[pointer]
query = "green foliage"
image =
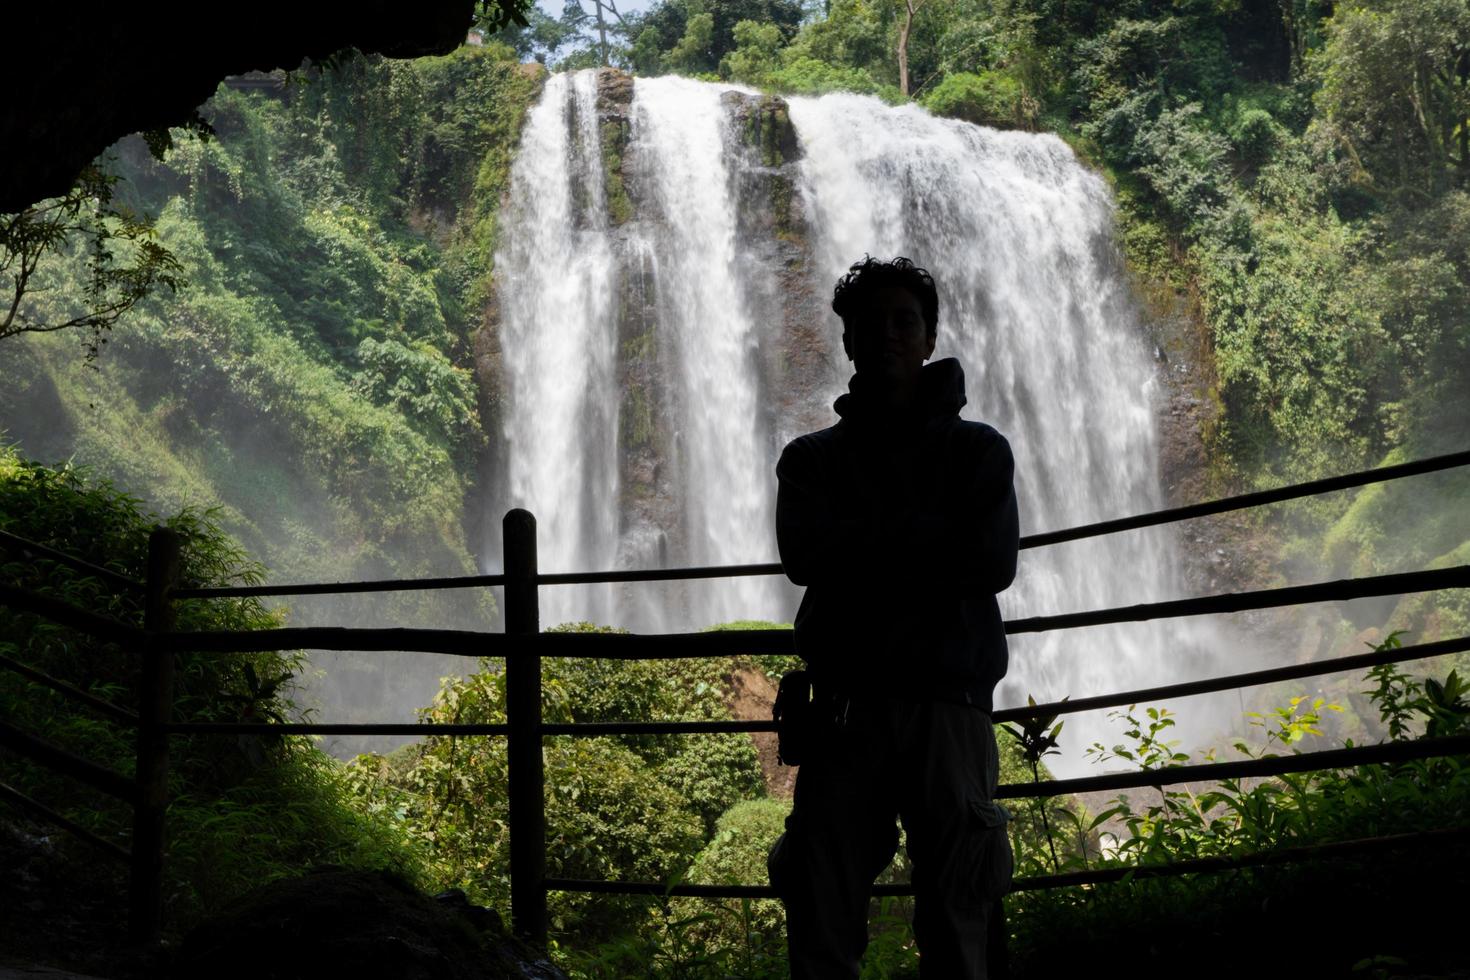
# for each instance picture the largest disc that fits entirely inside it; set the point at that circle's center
(241, 811)
(86, 225)
(694, 52)
(992, 98)
(674, 946)
(420, 383)
(811, 76)
(1395, 85)
(849, 50)
(316, 383)
(497, 15)
(1036, 738)
(607, 817)
(1238, 818)
(1255, 135)
(736, 855)
(755, 57)
(693, 36)
(634, 807)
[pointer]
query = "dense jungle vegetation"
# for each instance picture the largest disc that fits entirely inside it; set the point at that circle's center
(1292, 178)
(696, 808)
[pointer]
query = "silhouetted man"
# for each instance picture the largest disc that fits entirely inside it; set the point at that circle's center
(901, 522)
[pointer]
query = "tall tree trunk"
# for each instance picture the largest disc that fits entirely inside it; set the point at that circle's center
(601, 32)
(909, 7)
(1464, 122)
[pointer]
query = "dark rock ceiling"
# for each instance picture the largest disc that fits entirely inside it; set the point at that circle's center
(80, 76)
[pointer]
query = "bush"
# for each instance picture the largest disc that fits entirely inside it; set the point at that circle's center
(991, 98)
(809, 76)
(628, 807)
(1256, 135)
(242, 811)
(736, 855)
(1173, 823)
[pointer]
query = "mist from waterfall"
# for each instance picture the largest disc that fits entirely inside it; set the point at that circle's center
(1033, 302)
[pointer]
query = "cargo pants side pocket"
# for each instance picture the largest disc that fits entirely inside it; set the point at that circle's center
(989, 859)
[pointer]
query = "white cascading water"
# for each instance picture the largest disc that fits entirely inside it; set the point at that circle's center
(1033, 303)
(557, 294)
(680, 133)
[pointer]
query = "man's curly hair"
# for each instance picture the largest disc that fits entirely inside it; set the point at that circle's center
(854, 288)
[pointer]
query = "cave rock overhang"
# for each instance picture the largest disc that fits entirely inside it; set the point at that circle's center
(79, 77)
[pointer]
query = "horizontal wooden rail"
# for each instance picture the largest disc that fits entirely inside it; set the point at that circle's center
(603, 728)
(660, 574)
(18, 799)
(30, 549)
(92, 701)
(1346, 758)
(717, 643)
(1245, 501)
(1231, 682)
(461, 643)
(1168, 516)
(343, 588)
(482, 581)
(469, 643)
(594, 729)
(62, 761)
(327, 728)
(664, 646)
(60, 611)
(597, 887)
(1401, 583)
(1285, 855)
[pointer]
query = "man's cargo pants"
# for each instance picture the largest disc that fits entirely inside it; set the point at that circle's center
(933, 764)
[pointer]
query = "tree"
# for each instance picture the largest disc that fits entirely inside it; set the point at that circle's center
(576, 14)
(667, 25)
(910, 10)
(541, 37)
(1395, 83)
(693, 53)
(33, 238)
(756, 55)
(544, 37)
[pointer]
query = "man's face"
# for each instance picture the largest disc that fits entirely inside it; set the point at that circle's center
(887, 339)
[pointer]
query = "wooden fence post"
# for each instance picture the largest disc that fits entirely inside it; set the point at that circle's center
(155, 706)
(523, 752)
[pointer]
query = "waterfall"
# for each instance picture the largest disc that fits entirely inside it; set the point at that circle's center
(682, 134)
(557, 292)
(1033, 302)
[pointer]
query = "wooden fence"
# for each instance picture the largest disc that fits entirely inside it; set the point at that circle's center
(523, 645)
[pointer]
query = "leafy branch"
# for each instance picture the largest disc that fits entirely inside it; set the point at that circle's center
(113, 286)
(1037, 736)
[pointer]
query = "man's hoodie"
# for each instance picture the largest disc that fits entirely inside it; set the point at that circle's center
(903, 528)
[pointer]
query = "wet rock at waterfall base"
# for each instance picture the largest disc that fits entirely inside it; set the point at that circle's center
(356, 924)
